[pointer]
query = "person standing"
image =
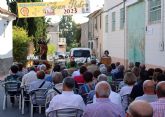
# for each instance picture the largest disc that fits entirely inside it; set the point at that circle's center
(106, 59)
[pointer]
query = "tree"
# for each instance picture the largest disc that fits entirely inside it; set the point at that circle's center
(51, 49)
(36, 27)
(71, 31)
(20, 44)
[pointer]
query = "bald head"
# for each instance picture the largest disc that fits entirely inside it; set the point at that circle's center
(140, 109)
(149, 87)
(160, 89)
(102, 89)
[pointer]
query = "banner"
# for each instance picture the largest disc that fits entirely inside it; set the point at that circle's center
(60, 7)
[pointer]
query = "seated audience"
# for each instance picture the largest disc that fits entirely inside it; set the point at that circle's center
(12, 77)
(139, 109)
(77, 72)
(72, 67)
(103, 106)
(88, 86)
(29, 77)
(57, 86)
(93, 67)
(138, 87)
(95, 76)
(67, 99)
(114, 97)
(159, 106)
(129, 80)
(40, 82)
(80, 79)
(149, 92)
(130, 66)
(103, 69)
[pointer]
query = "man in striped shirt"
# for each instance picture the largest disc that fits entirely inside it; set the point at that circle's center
(159, 106)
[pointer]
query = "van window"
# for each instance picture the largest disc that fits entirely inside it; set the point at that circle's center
(81, 53)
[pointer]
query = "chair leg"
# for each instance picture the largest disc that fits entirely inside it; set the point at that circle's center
(23, 104)
(4, 102)
(31, 112)
(19, 102)
(39, 109)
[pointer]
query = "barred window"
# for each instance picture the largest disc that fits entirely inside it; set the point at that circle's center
(154, 10)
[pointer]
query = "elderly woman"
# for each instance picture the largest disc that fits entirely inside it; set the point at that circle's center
(129, 80)
(57, 79)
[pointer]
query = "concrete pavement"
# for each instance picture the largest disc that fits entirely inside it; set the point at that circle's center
(14, 111)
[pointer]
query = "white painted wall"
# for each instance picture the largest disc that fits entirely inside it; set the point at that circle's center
(6, 43)
(153, 55)
(114, 41)
(84, 35)
(3, 4)
(5, 39)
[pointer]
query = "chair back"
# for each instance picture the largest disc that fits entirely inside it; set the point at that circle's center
(38, 96)
(126, 100)
(12, 86)
(68, 112)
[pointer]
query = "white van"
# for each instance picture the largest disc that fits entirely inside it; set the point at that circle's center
(80, 55)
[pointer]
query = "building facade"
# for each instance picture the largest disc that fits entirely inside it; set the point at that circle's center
(134, 31)
(84, 35)
(95, 32)
(6, 44)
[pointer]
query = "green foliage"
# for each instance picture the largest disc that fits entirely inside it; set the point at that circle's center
(51, 49)
(36, 27)
(20, 44)
(71, 31)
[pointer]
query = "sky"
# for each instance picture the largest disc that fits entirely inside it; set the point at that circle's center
(79, 18)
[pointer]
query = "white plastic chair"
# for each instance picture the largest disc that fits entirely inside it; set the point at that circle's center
(38, 99)
(11, 87)
(25, 97)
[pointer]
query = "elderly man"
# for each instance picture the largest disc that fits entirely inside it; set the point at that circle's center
(139, 109)
(67, 99)
(114, 97)
(103, 106)
(29, 77)
(149, 92)
(159, 106)
(40, 82)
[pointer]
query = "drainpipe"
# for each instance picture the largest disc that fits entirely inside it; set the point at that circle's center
(124, 7)
(163, 24)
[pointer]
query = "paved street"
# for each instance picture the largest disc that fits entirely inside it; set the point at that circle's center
(14, 111)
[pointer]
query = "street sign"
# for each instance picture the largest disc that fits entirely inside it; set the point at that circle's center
(60, 7)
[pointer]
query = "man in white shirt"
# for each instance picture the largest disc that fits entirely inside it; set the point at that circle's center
(114, 97)
(29, 77)
(67, 99)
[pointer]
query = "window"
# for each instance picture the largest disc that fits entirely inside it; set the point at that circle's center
(113, 21)
(122, 18)
(81, 53)
(106, 23)
(154, 10)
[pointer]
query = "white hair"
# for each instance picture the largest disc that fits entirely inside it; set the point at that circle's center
(103, 89)
(102, 77)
